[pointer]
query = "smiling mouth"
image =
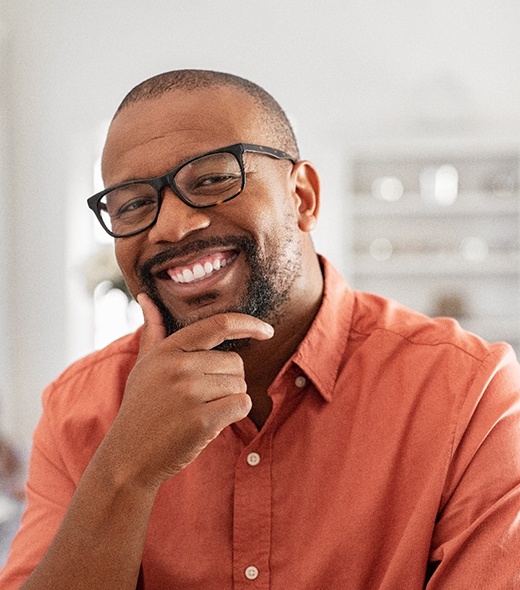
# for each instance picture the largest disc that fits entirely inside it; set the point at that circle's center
(201, 268)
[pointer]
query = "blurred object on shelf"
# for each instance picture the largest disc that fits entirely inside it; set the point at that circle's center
(502, 183)
(450, 244)
(451, 305)
(439, 185)
(381, 249)
(387, 188)
(474, 249)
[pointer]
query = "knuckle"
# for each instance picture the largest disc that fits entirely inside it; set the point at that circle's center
(222, 362)
(211, 420)
(231, 384)
(235, 360)
(204, 422)
(237, 408)
(243, 403)
(234, 321)
(224, 321)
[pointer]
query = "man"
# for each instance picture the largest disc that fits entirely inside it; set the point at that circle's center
(268, 428)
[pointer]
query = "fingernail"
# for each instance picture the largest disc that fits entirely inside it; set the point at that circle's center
(269, 329)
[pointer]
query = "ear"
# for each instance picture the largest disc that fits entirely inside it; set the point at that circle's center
(306, 187)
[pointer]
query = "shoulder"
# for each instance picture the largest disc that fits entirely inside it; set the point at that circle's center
(430, 368)
(81, 404)
(379, 318)
(401, 348)
(380, 337)
(102, 373)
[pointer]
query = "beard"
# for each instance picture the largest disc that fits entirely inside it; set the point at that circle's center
(270, 280)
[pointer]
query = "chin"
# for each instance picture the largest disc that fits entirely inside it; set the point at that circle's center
(200, 310)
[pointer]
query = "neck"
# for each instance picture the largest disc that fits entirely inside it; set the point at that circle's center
(264, 360)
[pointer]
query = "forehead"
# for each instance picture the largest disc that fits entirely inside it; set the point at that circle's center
(152, 136)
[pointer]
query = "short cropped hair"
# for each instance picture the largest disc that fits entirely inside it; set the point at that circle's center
(274, 117)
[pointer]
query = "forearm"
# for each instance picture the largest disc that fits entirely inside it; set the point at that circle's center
(100, 542)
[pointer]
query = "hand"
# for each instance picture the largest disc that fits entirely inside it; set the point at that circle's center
(181, 394)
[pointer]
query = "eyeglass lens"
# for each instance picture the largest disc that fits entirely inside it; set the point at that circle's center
(202, 182)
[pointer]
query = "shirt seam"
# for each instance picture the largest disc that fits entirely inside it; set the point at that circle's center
(430, 344)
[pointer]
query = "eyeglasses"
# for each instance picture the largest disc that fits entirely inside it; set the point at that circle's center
(216, 177)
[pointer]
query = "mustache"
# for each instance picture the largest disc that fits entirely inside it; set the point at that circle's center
(243, 243)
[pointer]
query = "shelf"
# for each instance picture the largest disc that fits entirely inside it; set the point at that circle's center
(502, 328)
(436, 264)
(436, 226)
(411, 205)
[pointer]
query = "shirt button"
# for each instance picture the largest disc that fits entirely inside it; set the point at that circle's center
(251, 572)
(300, 381)
(253, 459)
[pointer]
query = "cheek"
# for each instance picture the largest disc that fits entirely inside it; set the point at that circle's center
(267, 205)
(263, 221)
(126, 256)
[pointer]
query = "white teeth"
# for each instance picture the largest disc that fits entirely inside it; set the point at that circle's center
(188, 275)
(198, 271)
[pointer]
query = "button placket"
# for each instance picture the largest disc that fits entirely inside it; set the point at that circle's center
(252, 516)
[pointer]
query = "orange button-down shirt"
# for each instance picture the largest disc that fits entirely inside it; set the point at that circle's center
(391, 461)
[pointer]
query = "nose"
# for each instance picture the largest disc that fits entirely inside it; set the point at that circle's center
(177, 220)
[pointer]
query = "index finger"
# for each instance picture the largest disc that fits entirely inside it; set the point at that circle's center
(209, 332)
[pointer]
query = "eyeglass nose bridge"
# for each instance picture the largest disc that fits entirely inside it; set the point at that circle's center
(168, 181)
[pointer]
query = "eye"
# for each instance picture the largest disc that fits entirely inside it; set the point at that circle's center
(215, 179)
(137, 205)
(129, 201)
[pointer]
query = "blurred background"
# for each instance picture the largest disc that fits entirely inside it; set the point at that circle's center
(410, 110)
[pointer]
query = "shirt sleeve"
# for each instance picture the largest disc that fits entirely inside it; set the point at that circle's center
(477, 536)
(49, 490)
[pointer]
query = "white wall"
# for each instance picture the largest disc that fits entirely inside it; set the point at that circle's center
(6, 400)
(344, 70)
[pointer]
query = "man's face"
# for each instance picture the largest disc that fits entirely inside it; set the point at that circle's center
(245, 255)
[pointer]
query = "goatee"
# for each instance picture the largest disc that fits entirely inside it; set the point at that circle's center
(265, 293)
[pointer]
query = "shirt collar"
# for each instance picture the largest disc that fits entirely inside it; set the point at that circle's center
(322, 350)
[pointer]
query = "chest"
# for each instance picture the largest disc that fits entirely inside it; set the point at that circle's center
(285, 507)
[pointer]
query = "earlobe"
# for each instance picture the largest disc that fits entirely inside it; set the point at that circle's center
(307, 193)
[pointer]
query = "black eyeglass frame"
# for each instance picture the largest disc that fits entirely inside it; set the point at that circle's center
(168, 180)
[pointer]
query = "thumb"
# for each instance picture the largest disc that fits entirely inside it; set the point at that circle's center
(153, 329)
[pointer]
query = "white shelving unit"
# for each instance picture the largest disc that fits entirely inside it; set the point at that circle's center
(437, 227)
